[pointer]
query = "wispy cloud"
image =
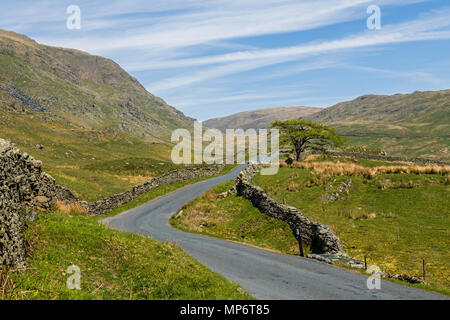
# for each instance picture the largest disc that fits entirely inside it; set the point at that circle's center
(200, 22)
(426, 28)
(177, 47)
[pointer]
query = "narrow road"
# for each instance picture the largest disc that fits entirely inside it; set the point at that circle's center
(264, 274)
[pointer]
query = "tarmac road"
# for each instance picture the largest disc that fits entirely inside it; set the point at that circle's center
(264, 274)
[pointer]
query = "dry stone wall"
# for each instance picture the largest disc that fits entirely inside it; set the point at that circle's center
(24, 187)
(318, 236)
(106, 204)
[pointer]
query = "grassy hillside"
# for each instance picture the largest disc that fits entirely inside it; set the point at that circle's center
(87, 113)
(416, 124)
(395, 219)
(84, 91)
(259, 119)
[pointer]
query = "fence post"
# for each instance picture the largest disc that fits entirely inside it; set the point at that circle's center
(299, 239)
(365, 263)
(424, 271)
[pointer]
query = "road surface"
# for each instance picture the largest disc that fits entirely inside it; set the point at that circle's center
(264, 274)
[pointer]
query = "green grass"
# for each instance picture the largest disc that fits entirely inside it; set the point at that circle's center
(234, 218)
(114, 265)
(435, 148)
(160, 191)
(395, 227)
(91, 166)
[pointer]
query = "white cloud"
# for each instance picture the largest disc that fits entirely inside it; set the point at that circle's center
(427, 28)
(200, 22)
(191, 42)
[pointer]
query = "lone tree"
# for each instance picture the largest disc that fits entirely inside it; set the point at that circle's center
(305, 134)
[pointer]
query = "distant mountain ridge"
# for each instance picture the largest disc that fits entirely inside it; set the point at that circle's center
(259, 119)
(415, 124)
(416, 114)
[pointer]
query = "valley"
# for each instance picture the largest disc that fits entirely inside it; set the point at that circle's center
(79, 114)
(99, 133)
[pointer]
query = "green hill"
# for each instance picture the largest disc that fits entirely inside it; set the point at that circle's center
(416, 124)
(416, 114)
(75, 111)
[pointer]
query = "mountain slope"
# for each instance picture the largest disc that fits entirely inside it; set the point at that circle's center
(88, 91)
(259, 119)
(416, 124)
(416, 114)
(76, 112)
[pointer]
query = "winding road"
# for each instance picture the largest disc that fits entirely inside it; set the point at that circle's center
(264, 274)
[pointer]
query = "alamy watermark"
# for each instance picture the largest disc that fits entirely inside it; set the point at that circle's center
(374, 20)
(74, 20)
(235, 146)
(74, 280)
(374, 281)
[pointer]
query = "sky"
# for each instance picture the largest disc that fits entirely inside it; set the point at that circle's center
(218, 57)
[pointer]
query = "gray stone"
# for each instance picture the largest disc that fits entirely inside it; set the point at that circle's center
(318, 236)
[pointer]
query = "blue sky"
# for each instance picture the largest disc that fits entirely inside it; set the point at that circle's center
(217, 57)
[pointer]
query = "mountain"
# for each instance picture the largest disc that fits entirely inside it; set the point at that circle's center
(259, 119)
(76, 111)
(413, 125)
(89, 92)
(419, 114)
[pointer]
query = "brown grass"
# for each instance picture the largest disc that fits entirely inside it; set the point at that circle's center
(387, 184)
(293, 186)
(204, 207)
(6, 284)
(134, 179)
(356, 215)
(70, 207)
(331, 169)
(211, 195)
(313, 157)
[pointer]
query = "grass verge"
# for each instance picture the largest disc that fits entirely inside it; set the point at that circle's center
(114, 264)
(234, 218)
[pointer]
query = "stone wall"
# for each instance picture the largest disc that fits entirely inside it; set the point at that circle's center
(24, 187)
(106, 204)
(318, 236)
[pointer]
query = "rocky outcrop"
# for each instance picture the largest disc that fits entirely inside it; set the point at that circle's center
(403, 277)
(24, 99)
(318, 236)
